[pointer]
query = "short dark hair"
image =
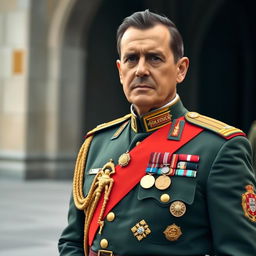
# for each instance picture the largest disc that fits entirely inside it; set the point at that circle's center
(147, 19)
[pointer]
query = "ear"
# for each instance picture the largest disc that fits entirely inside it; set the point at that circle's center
(118, 64)
(182, 68)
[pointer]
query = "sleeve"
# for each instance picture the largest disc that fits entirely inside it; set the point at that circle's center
(233, 233)
(71, 240)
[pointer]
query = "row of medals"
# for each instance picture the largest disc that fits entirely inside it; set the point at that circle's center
(177, 208)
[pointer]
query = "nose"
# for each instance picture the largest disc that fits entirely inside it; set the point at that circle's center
(142, 69)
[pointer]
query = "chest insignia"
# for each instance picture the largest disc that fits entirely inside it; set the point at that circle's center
(141, 230)
(249, 203)
(172, 232)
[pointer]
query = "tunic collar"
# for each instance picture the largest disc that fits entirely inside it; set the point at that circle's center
(157, 118)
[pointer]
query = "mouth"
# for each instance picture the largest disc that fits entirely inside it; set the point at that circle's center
(142, 86)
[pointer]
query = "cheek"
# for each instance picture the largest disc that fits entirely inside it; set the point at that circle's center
(126, 79)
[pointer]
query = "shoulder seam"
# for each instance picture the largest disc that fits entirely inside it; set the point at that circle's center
(108, 124)
(216, 126)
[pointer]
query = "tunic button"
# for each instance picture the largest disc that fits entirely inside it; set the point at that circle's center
(193, 115)
(111, 216)
(104, 243)
(165, 198)
(137, 143)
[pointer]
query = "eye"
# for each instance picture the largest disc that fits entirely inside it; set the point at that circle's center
(131, 58)
(154, 58)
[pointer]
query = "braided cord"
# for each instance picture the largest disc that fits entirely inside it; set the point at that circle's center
(81, 202)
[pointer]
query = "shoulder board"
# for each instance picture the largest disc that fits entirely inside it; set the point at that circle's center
(108, 124)
(224, 130)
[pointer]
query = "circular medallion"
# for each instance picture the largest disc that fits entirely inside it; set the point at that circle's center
(165, 170)
(147, 181)
(178, 209)
(163, 182)
(124, 159)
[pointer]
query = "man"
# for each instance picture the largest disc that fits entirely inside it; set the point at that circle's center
(161, 180)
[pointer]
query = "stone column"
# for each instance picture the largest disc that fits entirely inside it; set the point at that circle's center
(14, 51)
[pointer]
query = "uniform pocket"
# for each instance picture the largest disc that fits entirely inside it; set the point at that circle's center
(181, 188)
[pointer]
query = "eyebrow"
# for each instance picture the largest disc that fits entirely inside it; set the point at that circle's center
(149, 52)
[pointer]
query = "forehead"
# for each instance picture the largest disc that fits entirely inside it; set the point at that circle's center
(155, 37)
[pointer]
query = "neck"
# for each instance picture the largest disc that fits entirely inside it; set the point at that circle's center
(141, 111)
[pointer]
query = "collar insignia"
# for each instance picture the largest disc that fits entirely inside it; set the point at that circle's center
(176, 130)
(156, 120)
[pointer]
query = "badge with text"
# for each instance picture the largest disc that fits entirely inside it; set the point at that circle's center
(249, 203)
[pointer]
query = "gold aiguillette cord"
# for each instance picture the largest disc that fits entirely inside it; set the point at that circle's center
(101, 183)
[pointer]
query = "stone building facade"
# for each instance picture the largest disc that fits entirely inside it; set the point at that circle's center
(58, 77)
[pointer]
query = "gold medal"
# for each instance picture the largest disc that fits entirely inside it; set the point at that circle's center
(124, 159)
(178, 209)
(163, 182)
(147, 181)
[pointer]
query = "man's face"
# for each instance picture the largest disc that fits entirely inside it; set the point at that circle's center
(147, 68)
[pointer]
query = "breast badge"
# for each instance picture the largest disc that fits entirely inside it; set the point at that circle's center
(177, 209)
(141, 230)
(249, 203)
(172, 232)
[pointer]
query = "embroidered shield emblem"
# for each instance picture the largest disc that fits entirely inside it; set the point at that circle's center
(249, 203)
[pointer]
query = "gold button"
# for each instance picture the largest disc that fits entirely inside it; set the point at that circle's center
(137, 143)
(165, 198)
(104, 243)
(111, 216)
(193, 114)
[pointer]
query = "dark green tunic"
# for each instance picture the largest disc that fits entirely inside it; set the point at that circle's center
(214, 222)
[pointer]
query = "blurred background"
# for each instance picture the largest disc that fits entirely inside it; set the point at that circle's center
(58, 77)
(58, 80)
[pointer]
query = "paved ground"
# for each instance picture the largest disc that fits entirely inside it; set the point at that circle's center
(32, 216)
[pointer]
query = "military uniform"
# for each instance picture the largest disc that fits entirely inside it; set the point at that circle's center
(206, 206)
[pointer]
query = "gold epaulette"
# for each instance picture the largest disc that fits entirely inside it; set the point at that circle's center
(214, 125)
(108, 124)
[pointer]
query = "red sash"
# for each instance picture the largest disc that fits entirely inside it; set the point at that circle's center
(125, 178)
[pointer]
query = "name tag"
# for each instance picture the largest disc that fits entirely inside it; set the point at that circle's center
(94, 170)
